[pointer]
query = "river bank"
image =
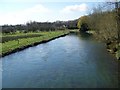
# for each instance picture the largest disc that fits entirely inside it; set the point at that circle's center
(112, 45)
(114, 48)
(20, 44)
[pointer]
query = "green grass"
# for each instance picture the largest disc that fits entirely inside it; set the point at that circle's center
(15, 37)
(14, 44)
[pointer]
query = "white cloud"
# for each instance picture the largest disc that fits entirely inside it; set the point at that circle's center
(74, 8)
(41, 13)
(37, 9)
(19, 17)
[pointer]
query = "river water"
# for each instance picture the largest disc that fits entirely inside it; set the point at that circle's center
(72, 61)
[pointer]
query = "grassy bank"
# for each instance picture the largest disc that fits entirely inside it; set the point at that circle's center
(74, 31)
(21, 43)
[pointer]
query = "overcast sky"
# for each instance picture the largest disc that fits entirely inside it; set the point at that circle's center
(22, 11)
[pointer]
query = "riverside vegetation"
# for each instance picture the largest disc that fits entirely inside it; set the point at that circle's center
(104, 24)
(18, 41)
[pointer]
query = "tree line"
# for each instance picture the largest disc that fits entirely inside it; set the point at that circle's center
(40, 26)
(103, 21)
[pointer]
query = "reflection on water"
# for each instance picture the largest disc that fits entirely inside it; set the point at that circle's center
(70, 61)
(82, 35)
(85, 35)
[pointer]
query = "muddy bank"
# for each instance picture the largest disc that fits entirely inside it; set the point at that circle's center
(34, 44)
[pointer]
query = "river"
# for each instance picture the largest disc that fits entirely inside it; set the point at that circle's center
(72, 61)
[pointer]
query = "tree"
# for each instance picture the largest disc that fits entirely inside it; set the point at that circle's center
(83, 23)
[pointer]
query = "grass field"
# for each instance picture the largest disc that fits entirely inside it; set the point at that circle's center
(21, 40)
(10, 37)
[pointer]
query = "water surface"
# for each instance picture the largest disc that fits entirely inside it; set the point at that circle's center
(70, 62)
